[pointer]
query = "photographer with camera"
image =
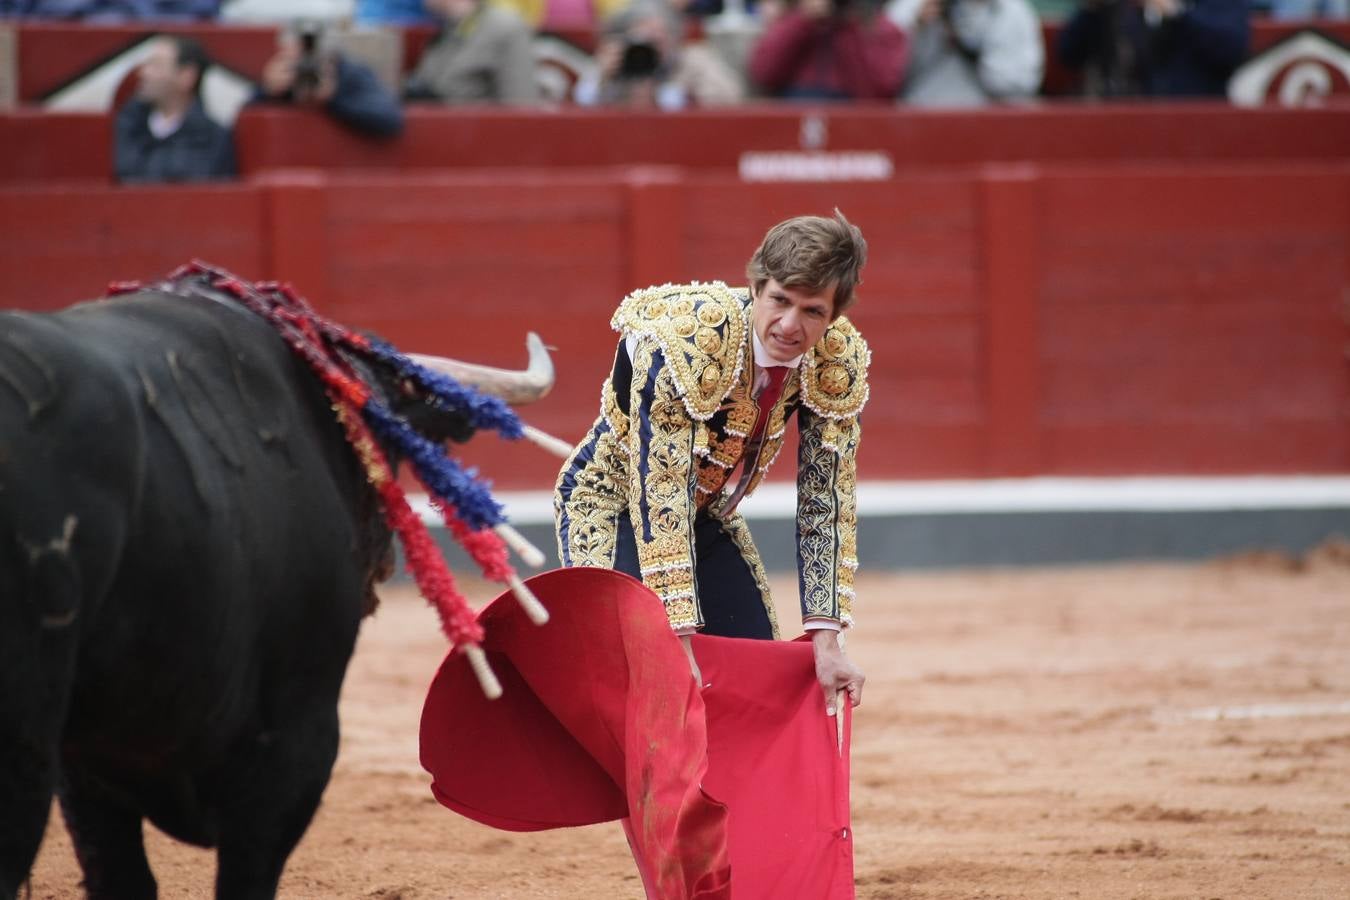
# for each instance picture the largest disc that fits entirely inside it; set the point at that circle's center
(829, 50)
(642, 62)
(970, 52)
(307, 71)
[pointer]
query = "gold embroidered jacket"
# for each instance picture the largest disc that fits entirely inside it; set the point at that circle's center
(668, 450)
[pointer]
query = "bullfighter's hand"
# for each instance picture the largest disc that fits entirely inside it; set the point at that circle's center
(834, 670)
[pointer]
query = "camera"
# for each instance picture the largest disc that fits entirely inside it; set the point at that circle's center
(640, 60)
(307, 69)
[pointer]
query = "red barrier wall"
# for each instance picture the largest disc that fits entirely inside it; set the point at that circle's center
(1197, 325)
(63, 244)
(438, 138)
(1024, 319)
(36, 146)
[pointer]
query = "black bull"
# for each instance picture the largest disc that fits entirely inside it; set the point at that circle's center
(187, 547)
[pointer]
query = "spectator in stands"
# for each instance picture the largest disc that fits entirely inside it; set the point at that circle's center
(970, 52)
(563, 16)
(483, 54)
(391, 12)
(112, 10)
(703, 9)
(643, 62)
(307, 71)
(828, 50)
(164, 134)
(1161, 48)
(1285, 10)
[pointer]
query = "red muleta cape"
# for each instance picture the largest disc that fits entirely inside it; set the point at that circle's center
(742, 783)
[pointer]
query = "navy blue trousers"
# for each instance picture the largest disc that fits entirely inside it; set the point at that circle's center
(728, 595)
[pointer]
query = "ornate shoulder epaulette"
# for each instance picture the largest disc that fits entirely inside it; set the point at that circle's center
(834, 373)
(701, 329)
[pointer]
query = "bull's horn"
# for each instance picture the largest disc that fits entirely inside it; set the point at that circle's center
(515, 387)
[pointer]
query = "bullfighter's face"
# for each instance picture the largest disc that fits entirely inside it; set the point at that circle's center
(789, 320)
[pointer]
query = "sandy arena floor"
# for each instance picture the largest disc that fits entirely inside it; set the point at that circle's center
(1158, 731)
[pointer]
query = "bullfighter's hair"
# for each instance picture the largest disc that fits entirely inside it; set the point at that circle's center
(467, 505)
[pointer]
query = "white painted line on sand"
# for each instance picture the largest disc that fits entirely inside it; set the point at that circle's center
(1013, 495)
(1257, 711)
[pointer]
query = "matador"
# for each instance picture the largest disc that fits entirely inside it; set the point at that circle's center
(694, 412)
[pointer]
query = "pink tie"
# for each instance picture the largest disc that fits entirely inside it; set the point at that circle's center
(773, 378)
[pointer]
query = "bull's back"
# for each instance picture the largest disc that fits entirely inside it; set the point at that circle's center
(217, 514)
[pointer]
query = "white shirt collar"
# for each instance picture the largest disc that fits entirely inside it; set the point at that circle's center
(161, 126)
(763, 359)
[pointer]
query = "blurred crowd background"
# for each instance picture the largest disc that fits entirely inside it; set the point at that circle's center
(353, 58)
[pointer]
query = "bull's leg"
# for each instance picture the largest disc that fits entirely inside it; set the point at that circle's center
(276, 797)
(108, 840)
(27, 773)
(36, 660)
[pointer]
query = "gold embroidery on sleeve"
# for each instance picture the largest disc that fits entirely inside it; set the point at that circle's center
(827, 518)
(597, 499)
(665, 540)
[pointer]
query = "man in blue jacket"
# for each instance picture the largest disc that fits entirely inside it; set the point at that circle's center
(1160, 48)
(164, 134)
